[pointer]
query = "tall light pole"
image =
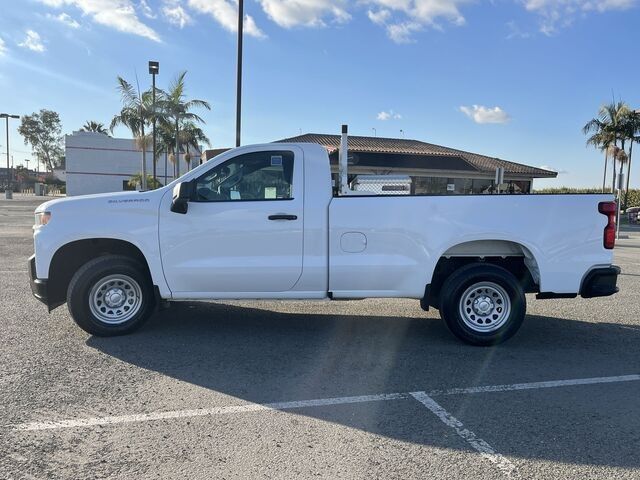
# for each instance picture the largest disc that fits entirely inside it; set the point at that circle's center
(154, 69)
(8, 193)
(239, 73)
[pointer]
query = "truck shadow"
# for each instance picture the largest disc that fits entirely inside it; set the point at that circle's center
(264, 356)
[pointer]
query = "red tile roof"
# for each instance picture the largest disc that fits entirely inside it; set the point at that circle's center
(415, 147)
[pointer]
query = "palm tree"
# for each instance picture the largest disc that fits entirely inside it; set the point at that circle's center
(192, 136)
(611, 124)
(166, 142)
(633, 135)
(601, 139)
(136, 113)
(177, 108)
(615, 115)
(93, 126)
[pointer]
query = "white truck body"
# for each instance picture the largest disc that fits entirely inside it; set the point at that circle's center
(339, 247)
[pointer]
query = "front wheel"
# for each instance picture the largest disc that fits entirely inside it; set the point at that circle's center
(482, 304)
(110, 295)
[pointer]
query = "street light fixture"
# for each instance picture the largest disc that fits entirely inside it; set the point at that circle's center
(8, 193)
(154, 69)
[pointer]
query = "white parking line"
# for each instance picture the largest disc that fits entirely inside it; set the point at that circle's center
(536, 385)
(482, 447)
(251, 407)
(256, 407)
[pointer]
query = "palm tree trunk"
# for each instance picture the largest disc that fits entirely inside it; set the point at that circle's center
(604, 178)
(143, 180)
(166, 160)
(613, 180)
(626, 191)
(177, 148)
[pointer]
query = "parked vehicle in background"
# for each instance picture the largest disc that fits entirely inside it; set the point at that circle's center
(263, 222)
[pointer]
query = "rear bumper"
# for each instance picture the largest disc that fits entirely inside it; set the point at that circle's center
(38, 285)
(600, 282)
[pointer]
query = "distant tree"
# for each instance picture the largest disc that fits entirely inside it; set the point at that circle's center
(601, 138)
(192, 136)
(93, 126)
(633, 134)
(135, 114)
(43, 131)
(177, 109)
(136, 180)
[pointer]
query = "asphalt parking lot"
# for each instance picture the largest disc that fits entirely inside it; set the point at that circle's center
(365, 389)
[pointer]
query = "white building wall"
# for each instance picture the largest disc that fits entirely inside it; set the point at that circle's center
(96, 163)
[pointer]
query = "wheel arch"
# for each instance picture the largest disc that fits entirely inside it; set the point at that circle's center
(69, 257)
(514, 256)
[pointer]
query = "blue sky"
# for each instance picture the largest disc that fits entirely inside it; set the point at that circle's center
(512, 79)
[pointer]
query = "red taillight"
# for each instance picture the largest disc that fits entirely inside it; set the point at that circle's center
(609, 209)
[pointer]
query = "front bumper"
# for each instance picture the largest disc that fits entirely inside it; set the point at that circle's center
(38, 285)
(600, 282)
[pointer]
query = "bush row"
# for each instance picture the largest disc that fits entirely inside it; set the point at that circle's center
(633, 197)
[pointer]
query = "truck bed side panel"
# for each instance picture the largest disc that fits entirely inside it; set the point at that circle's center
(405, 236)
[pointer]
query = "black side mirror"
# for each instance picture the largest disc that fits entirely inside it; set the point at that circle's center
(182, 193)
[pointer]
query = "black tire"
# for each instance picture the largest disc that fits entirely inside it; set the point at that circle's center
(135, 284)
(483, 287)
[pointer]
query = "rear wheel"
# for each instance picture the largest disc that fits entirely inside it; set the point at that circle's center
(110, 295)
(482, 304)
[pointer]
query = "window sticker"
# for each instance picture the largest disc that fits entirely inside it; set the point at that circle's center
(276, 161)
(270, 192)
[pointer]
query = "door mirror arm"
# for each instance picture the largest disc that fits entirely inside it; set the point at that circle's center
(182, 193)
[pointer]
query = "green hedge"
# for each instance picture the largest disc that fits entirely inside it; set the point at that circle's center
(633, 198)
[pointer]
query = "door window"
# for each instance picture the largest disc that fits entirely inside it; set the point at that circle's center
(257, 176)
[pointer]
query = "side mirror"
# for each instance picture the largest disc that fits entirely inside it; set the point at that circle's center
(182, 193)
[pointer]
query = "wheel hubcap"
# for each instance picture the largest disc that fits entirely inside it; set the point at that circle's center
(485, 307)
(115, 299)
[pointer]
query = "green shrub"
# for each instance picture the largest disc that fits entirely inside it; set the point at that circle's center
(633, 198)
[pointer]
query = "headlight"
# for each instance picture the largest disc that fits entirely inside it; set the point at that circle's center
(42, 218)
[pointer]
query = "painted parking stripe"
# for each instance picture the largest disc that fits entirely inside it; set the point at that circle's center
(256, 407)
(235, 409)
(536, 385)
(482, 447)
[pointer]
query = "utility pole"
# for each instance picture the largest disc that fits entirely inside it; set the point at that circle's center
(154, 69)
(8, 193)
(239, 72)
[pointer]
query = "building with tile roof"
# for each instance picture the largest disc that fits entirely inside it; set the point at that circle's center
(433, 168)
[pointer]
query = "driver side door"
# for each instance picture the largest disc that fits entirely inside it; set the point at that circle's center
(243, 230)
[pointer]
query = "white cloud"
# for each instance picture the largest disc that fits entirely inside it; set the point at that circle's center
(117, 14)
(380, 17)
(33, 42)
(402, 18)
(226, 14)
(146, 10)
(555, 14)
(64, 19)
(3, 47)
(388, 115)
(307, 13)
(482, 114)
(176, 14)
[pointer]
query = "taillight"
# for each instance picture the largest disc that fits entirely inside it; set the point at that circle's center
(609, 209)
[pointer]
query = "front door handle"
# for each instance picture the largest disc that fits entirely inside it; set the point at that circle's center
(283, 216)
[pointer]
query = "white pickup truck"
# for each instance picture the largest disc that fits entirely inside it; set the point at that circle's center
(264, 222)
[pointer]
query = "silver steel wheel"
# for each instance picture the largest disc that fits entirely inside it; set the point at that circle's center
(115, 299)
(485, 307)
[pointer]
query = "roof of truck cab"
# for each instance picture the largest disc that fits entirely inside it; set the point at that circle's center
(401, 146)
